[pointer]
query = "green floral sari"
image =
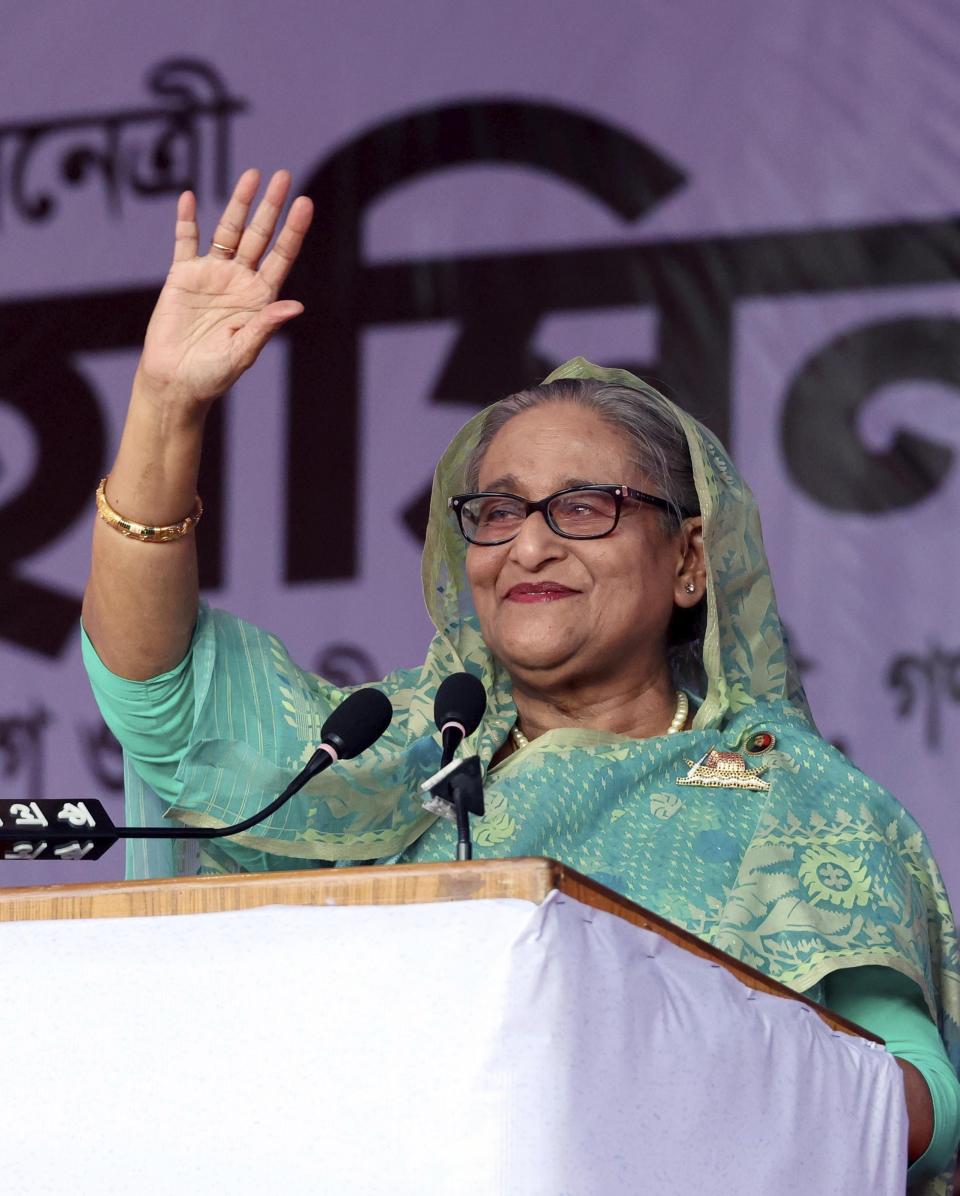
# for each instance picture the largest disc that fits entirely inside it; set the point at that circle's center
(816, 870)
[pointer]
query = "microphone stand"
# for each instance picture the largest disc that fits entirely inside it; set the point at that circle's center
(454, 793)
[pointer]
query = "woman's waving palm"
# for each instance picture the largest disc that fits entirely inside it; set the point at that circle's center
(216, 311)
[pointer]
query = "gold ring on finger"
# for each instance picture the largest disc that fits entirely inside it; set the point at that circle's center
(224, 249)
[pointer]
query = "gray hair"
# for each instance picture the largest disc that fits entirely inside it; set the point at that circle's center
(658, 448)
(654, 436)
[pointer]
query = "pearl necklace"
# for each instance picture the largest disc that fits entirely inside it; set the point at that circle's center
(677, 723)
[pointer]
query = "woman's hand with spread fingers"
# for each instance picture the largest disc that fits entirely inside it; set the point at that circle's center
(219, 308)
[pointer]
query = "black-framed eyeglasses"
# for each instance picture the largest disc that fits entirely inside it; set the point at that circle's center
(577, 513)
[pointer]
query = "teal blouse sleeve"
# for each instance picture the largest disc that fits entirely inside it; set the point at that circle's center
(892, 1006)
(152, 719)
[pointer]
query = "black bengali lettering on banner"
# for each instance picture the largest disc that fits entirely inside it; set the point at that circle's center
(499, 300)
(821, 445)
(151, 151)
(924, 683)
(346, 664)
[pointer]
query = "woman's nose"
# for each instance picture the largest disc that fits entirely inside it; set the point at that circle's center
(536, 542)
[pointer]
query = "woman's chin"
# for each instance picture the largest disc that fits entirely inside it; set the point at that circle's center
(534, 657)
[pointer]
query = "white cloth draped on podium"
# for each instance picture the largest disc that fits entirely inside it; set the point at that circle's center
(489, 1046)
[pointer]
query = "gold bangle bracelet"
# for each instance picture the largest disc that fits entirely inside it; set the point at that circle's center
(143, 531)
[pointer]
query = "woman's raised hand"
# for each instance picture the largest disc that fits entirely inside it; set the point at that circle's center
(217, 310)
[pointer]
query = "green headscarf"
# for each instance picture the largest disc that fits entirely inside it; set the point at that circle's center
(744, 654)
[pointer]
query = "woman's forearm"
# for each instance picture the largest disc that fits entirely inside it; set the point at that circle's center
(140, 605)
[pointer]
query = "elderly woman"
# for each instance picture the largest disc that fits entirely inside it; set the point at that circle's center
(592, 556)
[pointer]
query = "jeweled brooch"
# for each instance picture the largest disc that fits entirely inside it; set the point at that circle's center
(725, 770)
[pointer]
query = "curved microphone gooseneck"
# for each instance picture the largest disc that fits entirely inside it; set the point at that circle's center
(356, 723)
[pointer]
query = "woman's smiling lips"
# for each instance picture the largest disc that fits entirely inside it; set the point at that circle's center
(543, 591)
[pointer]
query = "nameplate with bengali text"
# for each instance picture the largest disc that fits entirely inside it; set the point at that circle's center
(53, 829)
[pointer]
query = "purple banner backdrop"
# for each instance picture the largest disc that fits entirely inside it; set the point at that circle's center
(755, 203)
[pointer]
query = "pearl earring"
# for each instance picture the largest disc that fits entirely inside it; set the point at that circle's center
(690, 587)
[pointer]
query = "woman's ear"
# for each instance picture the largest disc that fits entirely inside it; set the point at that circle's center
(691, 577)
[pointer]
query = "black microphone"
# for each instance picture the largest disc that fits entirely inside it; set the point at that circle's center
(457, 711)
(356, 724)
(31, 830)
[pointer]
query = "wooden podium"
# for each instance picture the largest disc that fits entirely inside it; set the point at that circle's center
(503, 1026)
(407, 884)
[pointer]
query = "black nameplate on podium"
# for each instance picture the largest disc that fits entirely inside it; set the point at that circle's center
(51, 829)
